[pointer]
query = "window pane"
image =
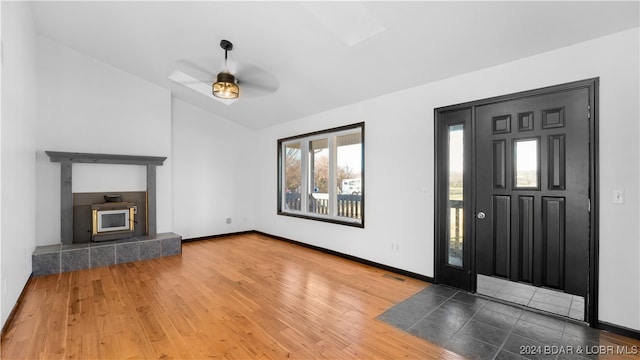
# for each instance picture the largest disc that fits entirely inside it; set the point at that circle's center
(319, 176)
(455, 194)
(526, 163)
(349, 175)
(292, 176)
(315, 168)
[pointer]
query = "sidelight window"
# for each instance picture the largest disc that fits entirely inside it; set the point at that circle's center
(455, 194)
(321, 175)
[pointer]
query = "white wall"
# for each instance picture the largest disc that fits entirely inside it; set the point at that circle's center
(223, 170)
(17, 239)
(399, 140)
(213, 175)
(87, 106)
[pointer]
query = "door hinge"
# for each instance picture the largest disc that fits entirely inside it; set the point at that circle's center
(589, 205)
(588, 111)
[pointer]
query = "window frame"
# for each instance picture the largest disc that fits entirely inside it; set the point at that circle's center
(304, 140)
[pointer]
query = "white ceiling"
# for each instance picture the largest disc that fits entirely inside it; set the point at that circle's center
(323, 54)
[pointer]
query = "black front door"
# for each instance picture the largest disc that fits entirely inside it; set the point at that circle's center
(532, 190)
(525, 209)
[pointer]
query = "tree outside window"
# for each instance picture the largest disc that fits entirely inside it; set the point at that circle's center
(321, 175)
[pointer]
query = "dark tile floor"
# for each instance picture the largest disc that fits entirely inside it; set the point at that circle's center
(478, 328)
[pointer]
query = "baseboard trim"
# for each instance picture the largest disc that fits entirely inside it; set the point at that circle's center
(352, 258)
(620, 330)
(12, 314)
(209, 237)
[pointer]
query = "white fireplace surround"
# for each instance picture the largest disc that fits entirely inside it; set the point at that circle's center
(67, 159)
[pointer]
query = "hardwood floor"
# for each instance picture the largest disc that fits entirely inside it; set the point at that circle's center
(239, 297)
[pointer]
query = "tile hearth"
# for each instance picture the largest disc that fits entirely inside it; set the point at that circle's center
(54, 259)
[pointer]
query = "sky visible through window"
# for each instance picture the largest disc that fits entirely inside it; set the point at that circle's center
(350, 155)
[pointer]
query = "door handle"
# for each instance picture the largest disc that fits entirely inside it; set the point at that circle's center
(481, 215)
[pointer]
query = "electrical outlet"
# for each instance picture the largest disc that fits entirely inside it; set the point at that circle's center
(618, 196)
(228, 220)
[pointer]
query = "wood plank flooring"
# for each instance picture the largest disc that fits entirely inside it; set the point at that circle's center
(239, 297)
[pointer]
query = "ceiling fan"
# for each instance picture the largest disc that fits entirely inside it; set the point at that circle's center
(227, 85)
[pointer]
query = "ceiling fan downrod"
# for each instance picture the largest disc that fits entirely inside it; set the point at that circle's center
(226, 45)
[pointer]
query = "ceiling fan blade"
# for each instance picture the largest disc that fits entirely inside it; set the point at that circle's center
(199, 74)
(255, 90)
(189, 81)
(254, 81)
(196, 71)
(203, 88)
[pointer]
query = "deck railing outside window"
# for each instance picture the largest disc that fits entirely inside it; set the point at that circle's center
(456, 230)
(348, 205)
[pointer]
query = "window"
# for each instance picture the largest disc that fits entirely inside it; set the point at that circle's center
(321, 175)
(455, 185)
(527, 164)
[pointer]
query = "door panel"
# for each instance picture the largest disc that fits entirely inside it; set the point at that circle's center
(499, 164)
(526, 224)
(501, 234)
(535, 196)
(553, 242)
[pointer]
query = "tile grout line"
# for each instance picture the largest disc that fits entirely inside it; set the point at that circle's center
(471, 318)
(465, 323)
(512, 329)
(509, 335)
(430, 312)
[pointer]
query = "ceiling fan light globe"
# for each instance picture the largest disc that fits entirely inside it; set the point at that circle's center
(225, 87)
(226, 90)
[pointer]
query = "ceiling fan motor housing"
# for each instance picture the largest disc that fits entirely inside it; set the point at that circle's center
(226, 78)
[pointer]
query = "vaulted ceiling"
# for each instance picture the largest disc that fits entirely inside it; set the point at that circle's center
(321, 55)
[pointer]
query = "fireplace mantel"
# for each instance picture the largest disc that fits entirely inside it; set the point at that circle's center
(74, 157)
(66, 160)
